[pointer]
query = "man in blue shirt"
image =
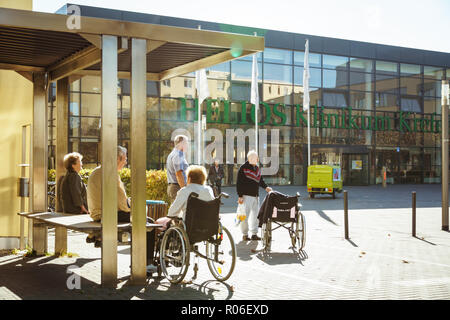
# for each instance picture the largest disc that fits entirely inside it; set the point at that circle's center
(176, 166)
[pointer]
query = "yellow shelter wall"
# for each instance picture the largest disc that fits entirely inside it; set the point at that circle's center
(17, 4)
(16, 98)
(16, 101)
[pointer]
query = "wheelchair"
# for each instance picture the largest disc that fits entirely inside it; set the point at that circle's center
(202, 224)
(286, 214)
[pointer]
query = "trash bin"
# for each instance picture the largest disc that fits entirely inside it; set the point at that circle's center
(156, 209)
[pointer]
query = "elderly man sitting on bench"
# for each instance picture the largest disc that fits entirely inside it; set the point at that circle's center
(123, 203)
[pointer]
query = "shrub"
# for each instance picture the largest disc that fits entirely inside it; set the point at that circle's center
(156, 182)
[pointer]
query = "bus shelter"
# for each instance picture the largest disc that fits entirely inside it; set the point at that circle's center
(46, 48)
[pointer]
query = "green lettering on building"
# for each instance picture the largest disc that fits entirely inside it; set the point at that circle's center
(219, 112)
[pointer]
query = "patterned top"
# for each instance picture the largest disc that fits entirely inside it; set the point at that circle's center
(176, 162)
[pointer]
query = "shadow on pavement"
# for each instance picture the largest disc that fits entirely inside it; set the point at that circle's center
(279, 258)
(245, 250)
(42, 278)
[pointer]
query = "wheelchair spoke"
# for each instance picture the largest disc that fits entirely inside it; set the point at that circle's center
(221, 257)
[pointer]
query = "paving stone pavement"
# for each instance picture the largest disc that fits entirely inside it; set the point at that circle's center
(380, 261)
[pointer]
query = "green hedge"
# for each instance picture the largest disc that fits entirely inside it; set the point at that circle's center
(156, 181)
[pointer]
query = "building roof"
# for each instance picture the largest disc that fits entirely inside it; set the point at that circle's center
(45, 42)
(285, 40)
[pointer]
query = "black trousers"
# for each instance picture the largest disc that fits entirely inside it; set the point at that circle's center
(124, 217)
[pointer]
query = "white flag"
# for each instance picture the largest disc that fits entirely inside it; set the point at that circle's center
(201, 82)
(306, 78)
(254, 97)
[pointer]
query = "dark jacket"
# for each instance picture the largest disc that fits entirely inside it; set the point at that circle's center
(73, 193)
(249, 179)
(214, 176)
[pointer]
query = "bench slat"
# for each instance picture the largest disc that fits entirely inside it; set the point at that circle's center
(78, 222)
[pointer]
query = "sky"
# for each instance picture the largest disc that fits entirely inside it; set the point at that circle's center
(421, 24)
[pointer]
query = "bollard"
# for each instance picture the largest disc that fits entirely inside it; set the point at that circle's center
(346, 213)
(413, 213)
(384, 177)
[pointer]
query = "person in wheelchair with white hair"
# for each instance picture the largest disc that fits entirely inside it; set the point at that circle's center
(196, 177)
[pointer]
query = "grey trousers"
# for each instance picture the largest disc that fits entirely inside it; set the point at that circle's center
(172, 190)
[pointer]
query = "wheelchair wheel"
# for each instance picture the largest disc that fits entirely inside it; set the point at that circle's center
(267, 235)
(174, 254)
(300, 231)
(221, 254)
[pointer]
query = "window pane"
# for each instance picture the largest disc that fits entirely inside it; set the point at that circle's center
(434, 73)
(91, 104)
(361, 81)
(386, 83)
(315, 59)
(241, 91)
(89, 151)
(74, 104)
(411, 104)
(171, 108)
(75, 86)
(410, 85)
(90, 127)
(386, 101)
(242, 70)
(361, 65)
(250, 57)
(219, 71)
(409, 69)
(74, 126)
(337, 99)
(335, 62)
(361, 100)
(277, 73)
(384, 67)
(314, 96)
(276, 93)
(432, 88)
(91, 84)
(315, 76)
(278, 56)
(335, 79)
(429, 105)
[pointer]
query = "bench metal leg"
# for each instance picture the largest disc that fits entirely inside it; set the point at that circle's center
(60, 241)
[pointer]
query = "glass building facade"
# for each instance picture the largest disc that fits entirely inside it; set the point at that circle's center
(366, 113)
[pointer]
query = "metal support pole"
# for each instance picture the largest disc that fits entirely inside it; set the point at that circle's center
(138, 160)
(62, 124)
(413, 213)
(384, 177)
(444, 155)
(109, 161)
(39, 160)
(346, 214)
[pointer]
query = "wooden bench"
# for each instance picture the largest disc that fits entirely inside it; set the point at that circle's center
(76, 222)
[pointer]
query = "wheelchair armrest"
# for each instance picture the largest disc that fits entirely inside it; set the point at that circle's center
(225, 195)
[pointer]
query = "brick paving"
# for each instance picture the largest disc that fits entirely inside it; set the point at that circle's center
(380, 261)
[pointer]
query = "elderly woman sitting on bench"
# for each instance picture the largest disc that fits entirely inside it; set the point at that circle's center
(196, 177)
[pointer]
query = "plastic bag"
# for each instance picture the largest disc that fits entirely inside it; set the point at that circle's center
(240, 214)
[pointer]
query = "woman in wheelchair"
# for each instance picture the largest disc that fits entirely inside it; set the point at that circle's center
(192, 218)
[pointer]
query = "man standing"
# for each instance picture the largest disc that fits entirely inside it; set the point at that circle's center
(249, 180)
(176, 166)
(215, 176)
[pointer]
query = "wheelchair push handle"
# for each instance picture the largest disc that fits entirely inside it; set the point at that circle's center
(223, 194)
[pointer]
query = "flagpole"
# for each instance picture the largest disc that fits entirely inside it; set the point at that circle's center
(199, 122)
(256, 103)
(306, 102)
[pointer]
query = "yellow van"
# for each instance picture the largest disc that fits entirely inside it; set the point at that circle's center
(324, 179)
